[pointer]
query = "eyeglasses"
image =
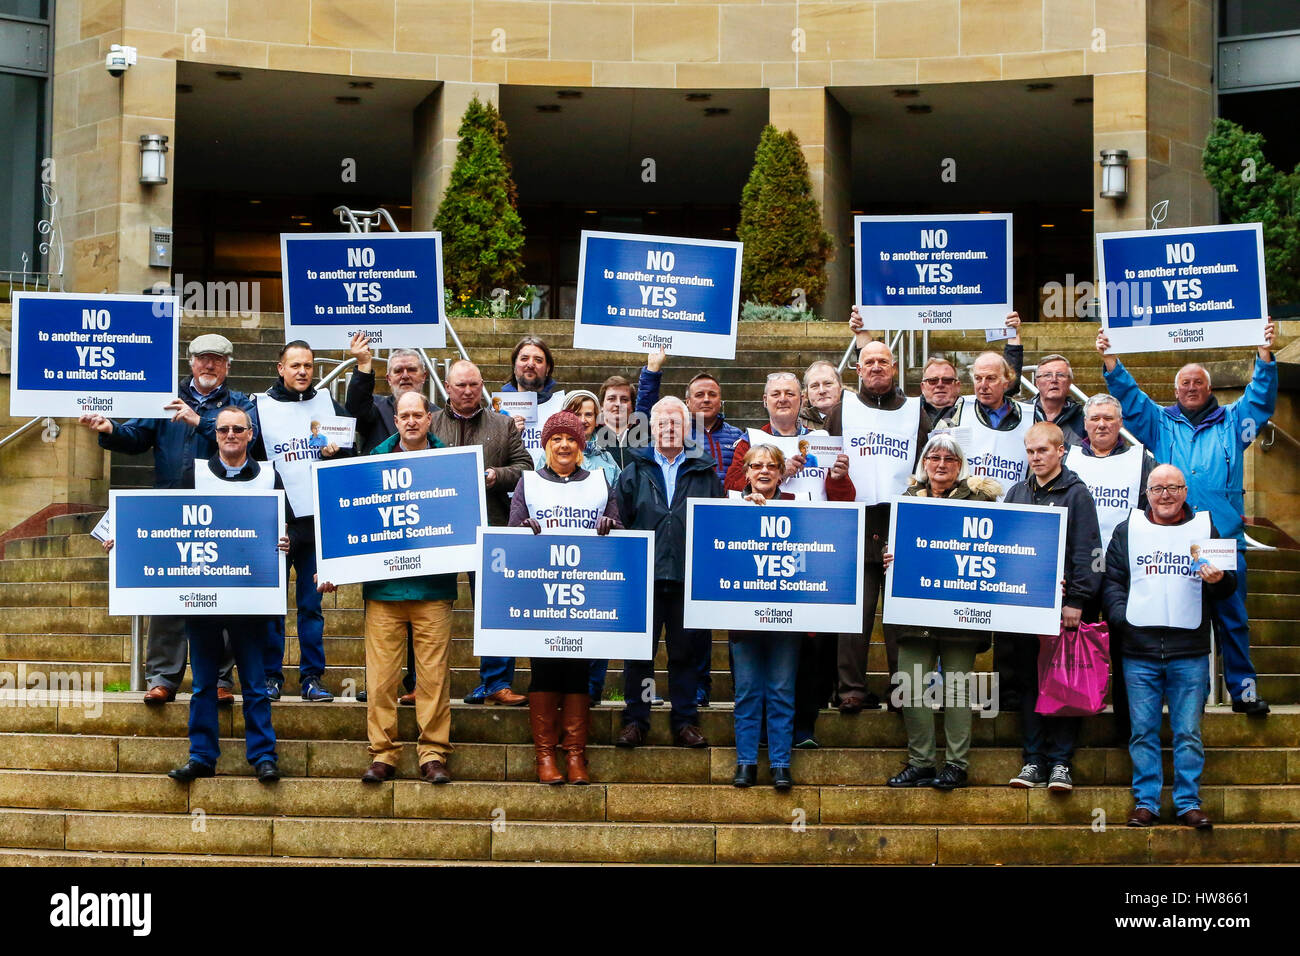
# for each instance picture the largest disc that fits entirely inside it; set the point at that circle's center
(943, 380)
(232, 429)
(1158, 490)
(943, 459)
(1054, 376)
(762, 465)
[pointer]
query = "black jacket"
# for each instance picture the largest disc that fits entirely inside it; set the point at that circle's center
(374, 413)
(280, 393)
(876, 517)
(1083, 565)
(643, 506)
(1070, 421)
(1157, 643)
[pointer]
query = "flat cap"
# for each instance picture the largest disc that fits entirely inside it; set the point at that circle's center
(211, 344)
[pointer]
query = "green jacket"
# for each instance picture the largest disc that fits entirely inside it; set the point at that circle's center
(429, 587)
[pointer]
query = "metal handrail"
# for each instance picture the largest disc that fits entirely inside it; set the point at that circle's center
(1268, 445)
(372, 217)
(51, 430)
(369, 217)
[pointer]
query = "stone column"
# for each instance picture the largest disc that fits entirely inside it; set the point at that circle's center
(437, 125)
(823, 128)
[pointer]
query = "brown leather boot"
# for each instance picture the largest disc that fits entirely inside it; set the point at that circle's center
(575, 717)
(544, 716)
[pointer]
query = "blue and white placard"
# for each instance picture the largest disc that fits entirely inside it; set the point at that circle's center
(187, 552)
(782, 566)
(575, 594)
(398, 516)
(1172, 289)
(112, 355)
(977, 566)
(388, 285)
(642, 293)
(933, 272)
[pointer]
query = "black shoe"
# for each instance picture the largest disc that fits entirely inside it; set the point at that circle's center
(911, 776)
(192, 770)
(950, 778)
(361, 697)
(781, 778)
(746, 775)
(1251, 708)
(273, 690)
(267, 772)
(871, 702)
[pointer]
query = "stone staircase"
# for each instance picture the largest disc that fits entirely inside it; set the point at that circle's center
(84, 781)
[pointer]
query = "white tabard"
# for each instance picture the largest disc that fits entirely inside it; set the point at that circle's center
(1163, 589)
(566, 504)
(999, 455)
(881, 447)
(286, 431)
(204, 478)
(1115, 482)
(811, 481)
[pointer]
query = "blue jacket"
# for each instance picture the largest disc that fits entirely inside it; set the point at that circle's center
(719, 441)
(643, 505)
(175, 445)
(1209, 454)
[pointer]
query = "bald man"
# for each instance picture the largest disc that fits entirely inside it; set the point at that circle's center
(1207, 441)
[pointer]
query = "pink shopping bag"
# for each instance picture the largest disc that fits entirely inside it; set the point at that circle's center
(1073, 671)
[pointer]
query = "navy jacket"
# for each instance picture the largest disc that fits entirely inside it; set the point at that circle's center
(175, 445)
(1083, 565)
(643, 505)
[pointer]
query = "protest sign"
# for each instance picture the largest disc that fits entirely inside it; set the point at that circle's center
(398, 516)
(387, 285)
(338, 429)
(112, 355)
(643, 293)
(523, 404)
(782, 566)
(572, 594)
(977, 566)
(933, 272)
(196, 552)
(819, 450)
(1220, 552)
(1173, 289)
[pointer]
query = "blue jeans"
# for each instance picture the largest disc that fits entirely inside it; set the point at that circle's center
(767, 666)
(248, 635)
(1232, 633)
(1184, 683)
(311, 621)
(596, 672)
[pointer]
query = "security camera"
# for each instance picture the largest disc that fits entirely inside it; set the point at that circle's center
(119, 59)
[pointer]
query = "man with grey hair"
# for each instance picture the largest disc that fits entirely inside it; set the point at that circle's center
(782, 398)
(177, 442)
(467, 421)
(652, 492)
(1206, 441)
(1053, 379)
(375, 414)
(877, 405)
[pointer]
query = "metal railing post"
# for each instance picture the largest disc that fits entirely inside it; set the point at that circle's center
(137, 653)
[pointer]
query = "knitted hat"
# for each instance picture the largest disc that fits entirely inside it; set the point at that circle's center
(564, 423)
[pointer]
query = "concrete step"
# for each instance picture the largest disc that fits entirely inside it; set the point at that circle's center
(613, 802)
(991, 766)
(124, 714)
(501, 839)
(80, 523)
(55, 546)
(54, 569)
(62, 620)
(53, 594)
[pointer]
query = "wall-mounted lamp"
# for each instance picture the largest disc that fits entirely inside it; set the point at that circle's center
(1114, 173)
(153, 159)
